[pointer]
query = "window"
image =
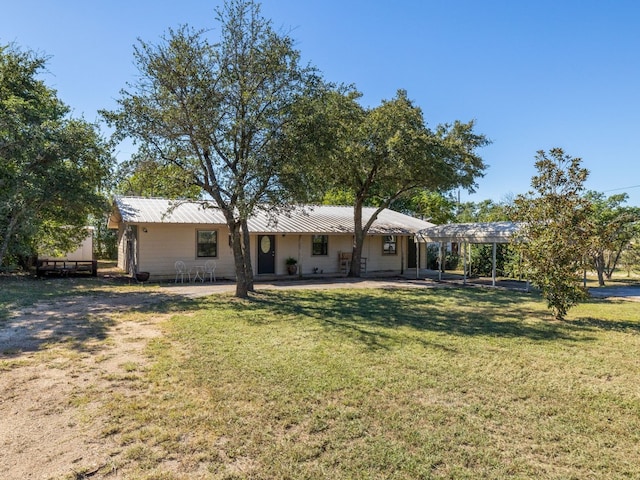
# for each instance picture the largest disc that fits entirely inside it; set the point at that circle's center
(207, 243)
(320, 245)
(389, 244)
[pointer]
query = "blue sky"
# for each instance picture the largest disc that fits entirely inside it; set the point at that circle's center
(533, 74)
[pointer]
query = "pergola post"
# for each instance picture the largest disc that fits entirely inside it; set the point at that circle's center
(464, 262)
(493, 270)
(440, 260)
(417, 257)
(300, 256)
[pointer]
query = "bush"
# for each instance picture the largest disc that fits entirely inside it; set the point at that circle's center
(451, 260)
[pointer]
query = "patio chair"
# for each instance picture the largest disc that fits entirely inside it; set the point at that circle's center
(210, 269)
(181, 269)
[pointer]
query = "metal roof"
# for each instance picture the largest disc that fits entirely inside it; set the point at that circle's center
(498, 232)
(306, 219)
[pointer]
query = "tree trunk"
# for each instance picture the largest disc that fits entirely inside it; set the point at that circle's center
(242, 287)
(360, 233)
(7, 236)
(600, 264)
(248, 269)
(613, 263)
(356, 255)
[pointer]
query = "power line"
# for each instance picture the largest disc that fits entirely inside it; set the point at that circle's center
(623, 188)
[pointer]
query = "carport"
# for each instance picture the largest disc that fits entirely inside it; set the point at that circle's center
(468, 234)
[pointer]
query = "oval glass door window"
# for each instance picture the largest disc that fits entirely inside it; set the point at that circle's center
(265, 244)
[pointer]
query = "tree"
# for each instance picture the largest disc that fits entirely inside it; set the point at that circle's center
(146, 177)
(52, 166)
(434, 207)
(484, 211)
(555, 237)
(630, 258)
(389, 152)
(614, 226)
(223, 114)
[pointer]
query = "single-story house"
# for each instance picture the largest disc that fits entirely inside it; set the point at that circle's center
(155, 233)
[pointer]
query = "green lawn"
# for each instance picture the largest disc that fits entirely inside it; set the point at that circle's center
(402, 384)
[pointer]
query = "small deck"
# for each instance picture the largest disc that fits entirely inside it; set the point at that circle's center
(66, 268)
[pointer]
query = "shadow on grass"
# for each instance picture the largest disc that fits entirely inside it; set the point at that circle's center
(369, 315)
(617, 325)
(80, 317)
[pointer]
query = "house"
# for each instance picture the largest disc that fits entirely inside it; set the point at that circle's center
(154, 233)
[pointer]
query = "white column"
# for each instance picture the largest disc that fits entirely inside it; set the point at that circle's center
(299, 255)
(415, 240)
(464, 262)
(493, 271)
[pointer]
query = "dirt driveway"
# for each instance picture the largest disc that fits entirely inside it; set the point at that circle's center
(60, 361)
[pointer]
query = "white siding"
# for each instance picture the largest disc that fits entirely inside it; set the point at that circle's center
(122, 259)
(376, 261)
(163, 244)
(84, 250)
(300, 248)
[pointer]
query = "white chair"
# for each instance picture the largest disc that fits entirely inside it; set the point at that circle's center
(210, 269)
(181, 269)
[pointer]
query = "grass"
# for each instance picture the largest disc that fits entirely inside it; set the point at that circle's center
(403, 384)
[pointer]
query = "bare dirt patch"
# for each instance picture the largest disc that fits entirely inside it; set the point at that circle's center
(57, 359)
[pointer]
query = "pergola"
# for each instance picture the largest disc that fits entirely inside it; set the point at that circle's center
(466, 234)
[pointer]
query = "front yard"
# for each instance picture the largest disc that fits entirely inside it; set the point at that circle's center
(381, 383)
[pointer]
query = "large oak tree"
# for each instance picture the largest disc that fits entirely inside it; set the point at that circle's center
(388, 152)
(222, 112)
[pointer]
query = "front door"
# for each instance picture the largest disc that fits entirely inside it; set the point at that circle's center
(266, 254)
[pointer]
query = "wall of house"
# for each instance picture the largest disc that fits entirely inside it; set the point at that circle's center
(161, 245)
(376, 261)
(122, 261)
(300, 248)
